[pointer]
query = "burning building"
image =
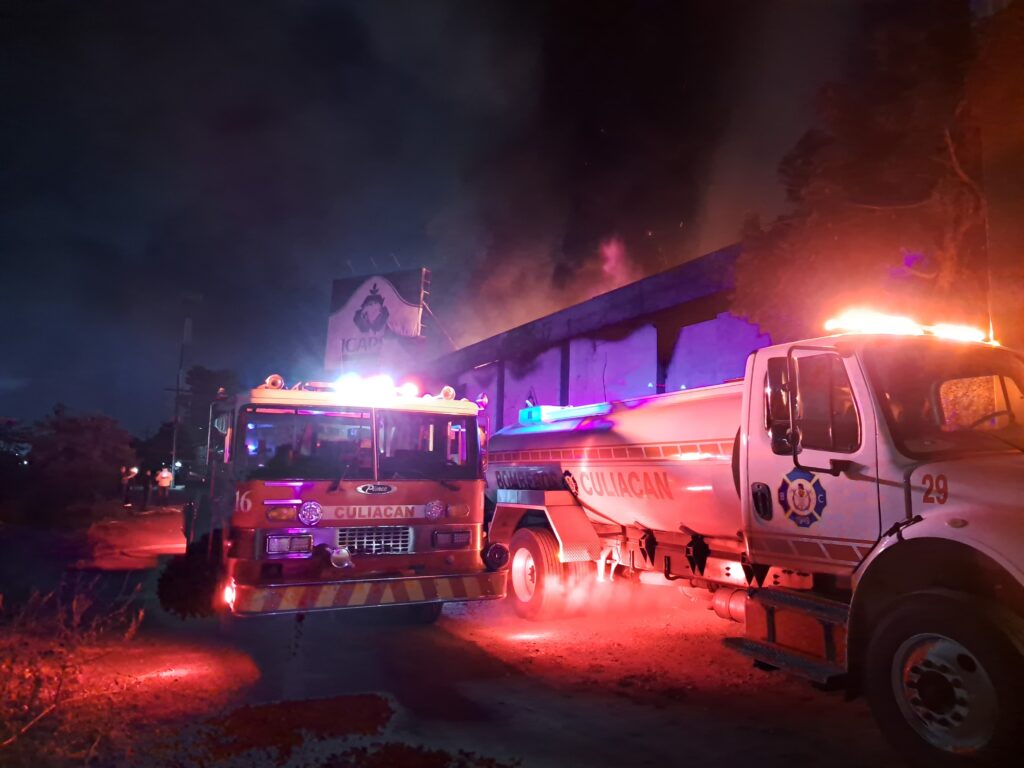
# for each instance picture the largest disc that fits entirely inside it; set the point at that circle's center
(666, 332)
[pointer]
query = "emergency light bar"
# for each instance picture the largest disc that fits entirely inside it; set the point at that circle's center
(381, 386)
(869, 321)
(546, 414)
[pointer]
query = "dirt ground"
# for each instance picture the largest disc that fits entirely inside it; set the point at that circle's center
(641, 679)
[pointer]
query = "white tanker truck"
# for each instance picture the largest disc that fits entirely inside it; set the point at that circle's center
(857, 501)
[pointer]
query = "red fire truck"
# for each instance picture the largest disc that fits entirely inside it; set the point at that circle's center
(350, 495)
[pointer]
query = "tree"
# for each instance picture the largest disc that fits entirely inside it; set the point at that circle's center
(155, 451)
(995, 90)
(75, 459)
(887, 211)
(14, 445)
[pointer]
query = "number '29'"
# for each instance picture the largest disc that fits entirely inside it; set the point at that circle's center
(936, 489)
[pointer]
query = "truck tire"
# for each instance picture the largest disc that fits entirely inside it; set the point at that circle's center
(539, 583)
(944, 684)
(187, 586)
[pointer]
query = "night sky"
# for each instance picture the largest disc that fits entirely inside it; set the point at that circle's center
(227, 160)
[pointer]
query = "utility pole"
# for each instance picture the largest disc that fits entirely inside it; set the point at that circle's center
(186, 338)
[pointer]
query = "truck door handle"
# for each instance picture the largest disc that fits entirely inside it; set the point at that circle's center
(761, 495)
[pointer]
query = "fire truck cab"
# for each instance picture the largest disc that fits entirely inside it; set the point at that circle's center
(353, 495)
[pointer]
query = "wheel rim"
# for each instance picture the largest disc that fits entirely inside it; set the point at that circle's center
(524, 574)
(944, 693)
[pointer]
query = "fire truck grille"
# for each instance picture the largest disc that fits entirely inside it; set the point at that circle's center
(377, 540)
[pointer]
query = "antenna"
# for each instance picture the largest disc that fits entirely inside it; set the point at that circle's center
(439, 325)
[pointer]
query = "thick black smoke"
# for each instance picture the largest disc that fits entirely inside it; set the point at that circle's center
(249, 152)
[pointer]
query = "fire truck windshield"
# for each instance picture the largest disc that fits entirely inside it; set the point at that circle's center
(426, 445)
(282, 443)
(942, 398)
(288, 443)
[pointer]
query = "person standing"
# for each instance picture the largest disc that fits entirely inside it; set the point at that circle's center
(164, 478)
(127, 475)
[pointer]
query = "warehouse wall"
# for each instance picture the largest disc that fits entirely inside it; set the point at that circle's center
(712, 352)
(602, 370)
(590, 370)
(539, 377)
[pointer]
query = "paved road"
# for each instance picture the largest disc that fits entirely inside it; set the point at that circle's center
(135, 542)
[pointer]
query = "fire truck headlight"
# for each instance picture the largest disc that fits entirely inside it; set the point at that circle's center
(435, 509)
(282, 545)
(229, 594)
(451, 539)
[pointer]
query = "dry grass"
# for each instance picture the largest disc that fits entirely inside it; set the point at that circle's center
(45, 644)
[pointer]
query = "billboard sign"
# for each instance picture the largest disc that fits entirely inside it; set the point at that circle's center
(370, 317)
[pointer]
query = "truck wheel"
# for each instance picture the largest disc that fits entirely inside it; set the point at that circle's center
(939, 678)
(187, 587)
(539, 582)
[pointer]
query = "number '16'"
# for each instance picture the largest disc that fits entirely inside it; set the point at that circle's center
(936, 489)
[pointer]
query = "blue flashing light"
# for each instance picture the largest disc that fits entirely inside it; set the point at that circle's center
(545, 414)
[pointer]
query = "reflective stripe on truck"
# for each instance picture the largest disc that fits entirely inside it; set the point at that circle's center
(302, 598)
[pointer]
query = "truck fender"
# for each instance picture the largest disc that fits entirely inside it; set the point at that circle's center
(899, 567)
(578, 542)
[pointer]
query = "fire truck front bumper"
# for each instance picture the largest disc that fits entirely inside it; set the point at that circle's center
(271, 599)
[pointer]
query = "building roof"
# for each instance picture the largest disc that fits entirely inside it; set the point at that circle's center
(697, 279)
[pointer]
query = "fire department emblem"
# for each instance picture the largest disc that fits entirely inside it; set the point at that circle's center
(310, 513)
(802, 498)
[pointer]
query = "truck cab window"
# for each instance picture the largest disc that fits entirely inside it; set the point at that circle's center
(418, 445)
(979, 402)
(776, 405)
(940, 400)
(826, 410)
(278, 443)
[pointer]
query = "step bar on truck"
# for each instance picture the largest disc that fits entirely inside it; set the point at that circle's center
(803, 634)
